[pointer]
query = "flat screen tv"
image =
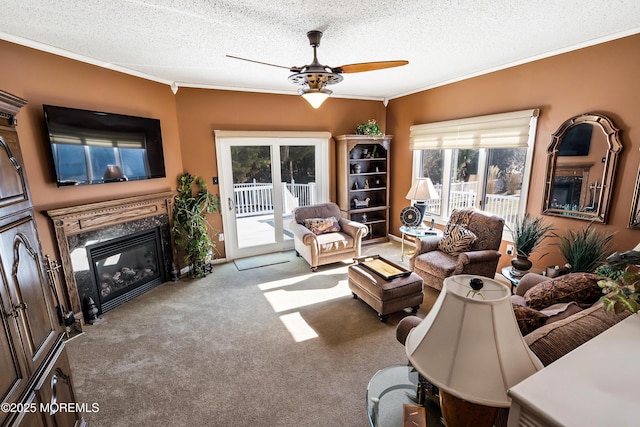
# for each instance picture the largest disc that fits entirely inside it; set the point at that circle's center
(92, 147)
(577, 141)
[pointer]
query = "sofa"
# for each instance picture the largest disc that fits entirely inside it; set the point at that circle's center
(555, 315)
(583, 319)
(322, 236)
(559, 315)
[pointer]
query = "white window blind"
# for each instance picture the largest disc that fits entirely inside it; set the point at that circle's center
(505, 130)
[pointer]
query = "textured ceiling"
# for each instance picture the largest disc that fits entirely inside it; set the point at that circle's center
(185, 41)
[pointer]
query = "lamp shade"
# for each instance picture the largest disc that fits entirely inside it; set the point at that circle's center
(113, 173)
(315, 97)
(422, 189)
(469, 345)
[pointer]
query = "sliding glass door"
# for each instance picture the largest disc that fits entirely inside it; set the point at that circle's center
(264, 176)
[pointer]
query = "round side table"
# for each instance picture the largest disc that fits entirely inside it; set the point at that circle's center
(514, 279)
(416, 232)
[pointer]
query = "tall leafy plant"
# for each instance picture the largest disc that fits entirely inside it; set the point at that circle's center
(528, 233)
(585, 249)
(190, 226)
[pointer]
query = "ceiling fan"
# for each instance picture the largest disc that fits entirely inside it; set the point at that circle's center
(315, 76)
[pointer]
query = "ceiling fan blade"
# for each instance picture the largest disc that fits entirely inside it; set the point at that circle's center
(292, 69)
(369, 66)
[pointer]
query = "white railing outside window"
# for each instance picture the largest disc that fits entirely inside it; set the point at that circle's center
(503, 206)
(256, 198)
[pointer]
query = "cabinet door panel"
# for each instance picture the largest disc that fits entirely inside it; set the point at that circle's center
(31, 418)
(13, 378)
(13, 189)
(56, 387)
(29, 289)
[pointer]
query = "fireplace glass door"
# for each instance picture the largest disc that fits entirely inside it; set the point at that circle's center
(125, 267)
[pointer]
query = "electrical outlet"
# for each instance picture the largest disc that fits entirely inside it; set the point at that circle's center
(510, 249)
(221, 237)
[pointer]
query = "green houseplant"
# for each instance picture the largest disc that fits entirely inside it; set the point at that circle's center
(622, 284)
(370, 127)
(528, 233)
(190, 226)
(622, 293)
(585, 249)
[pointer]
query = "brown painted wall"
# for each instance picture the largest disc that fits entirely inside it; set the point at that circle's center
(596, 79)
(201, 111)
(601, 79)
(43, 78)
(187, 119)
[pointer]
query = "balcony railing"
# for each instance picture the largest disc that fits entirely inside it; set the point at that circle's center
(256, 198)
(503, 206)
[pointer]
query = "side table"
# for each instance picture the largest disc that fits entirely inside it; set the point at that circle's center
(507, 272)
(389, 389)
(416, 232)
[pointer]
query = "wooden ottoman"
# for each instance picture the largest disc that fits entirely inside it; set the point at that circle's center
(385, 296)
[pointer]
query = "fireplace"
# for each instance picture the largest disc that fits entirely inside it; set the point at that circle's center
(113, 251)
(122, 269)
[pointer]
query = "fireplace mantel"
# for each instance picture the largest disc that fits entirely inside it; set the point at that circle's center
(75, 220)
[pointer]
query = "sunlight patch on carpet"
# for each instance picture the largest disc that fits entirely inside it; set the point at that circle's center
(298, 327)
(283, 300)
(293, 280)
(260, 261)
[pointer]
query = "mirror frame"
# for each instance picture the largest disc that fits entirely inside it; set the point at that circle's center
(610, 163)
(634, 219)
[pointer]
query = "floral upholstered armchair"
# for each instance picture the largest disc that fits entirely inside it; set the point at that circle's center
(469, 245)
(322, 236)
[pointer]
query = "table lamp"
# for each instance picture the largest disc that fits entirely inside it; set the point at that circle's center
(113, 173)
(470, 347)
(421, 191)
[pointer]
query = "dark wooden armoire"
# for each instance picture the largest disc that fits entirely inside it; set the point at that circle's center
(35, 378)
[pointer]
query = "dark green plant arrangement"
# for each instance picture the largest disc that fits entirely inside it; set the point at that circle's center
(622, 284)
(190, 226)
(585, 249)
(622, 294)
(528, 233)
(370, 127)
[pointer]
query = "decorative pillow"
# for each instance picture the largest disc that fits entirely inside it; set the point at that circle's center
(322, 225)
(458, 240)
(579, 287)
(518, 300)
(528, 319)
(571, 308)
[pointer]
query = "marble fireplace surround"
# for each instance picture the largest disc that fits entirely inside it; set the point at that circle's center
(76, 225)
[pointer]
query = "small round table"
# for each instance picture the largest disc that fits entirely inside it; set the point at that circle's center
(389, 389)
(416, 232)
(514, 279)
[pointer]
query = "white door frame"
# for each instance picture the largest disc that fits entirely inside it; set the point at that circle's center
(225, 139)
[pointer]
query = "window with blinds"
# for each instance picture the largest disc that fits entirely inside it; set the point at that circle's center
(483, 161)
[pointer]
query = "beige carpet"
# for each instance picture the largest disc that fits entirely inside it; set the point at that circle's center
(271, 346)
(261, 261)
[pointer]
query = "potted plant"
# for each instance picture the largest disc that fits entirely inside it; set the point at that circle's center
(528, 233)
(585, 249)
(370, 127)
(622, 284)
(190, 226)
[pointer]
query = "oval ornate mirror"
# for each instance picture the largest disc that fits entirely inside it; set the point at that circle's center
(581, 164)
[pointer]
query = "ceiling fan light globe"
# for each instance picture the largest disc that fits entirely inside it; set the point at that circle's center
(315, 97)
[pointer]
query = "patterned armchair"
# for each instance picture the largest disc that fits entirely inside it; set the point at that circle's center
(322, 236)
(469, 245)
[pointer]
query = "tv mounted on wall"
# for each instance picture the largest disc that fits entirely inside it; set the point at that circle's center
(92, 147)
